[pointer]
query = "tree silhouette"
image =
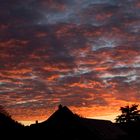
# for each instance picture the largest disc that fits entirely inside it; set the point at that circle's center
(4, 112)
(129, 114)
(6, 120)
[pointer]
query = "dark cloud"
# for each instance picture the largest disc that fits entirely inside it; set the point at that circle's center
(81, 53)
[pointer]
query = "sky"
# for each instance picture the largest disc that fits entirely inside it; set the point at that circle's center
(84, 54)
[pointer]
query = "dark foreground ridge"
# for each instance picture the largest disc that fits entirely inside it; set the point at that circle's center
(63, 124)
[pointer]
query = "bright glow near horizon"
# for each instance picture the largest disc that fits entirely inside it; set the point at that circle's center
(84, 54)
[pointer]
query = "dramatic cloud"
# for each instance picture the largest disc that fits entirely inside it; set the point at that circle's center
(81, 53)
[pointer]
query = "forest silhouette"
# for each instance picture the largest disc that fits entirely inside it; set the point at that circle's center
(63, 124)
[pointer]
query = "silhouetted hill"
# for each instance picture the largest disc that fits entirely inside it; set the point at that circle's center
(132, 129)
(63, 124)
(66, 125)
(106, 129)
(9, 127)
(6, 122)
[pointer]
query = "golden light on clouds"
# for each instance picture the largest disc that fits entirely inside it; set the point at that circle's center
(82, 54)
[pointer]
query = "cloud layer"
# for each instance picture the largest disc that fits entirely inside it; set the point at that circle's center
(81, 53)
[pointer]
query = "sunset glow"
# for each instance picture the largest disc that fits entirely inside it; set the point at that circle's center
(84, 54)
